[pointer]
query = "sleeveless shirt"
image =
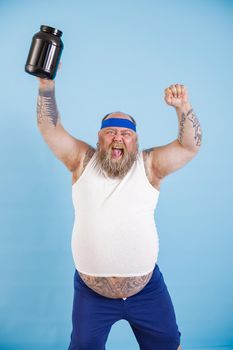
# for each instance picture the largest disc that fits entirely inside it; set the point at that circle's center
(114, 232)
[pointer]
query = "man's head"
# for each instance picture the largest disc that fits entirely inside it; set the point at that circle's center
(117, 144)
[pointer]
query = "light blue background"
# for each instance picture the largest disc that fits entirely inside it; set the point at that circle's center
(118, 55)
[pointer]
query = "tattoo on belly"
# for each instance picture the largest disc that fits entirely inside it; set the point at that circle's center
(116, 287)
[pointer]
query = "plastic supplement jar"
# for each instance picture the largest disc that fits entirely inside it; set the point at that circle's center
(45, 53)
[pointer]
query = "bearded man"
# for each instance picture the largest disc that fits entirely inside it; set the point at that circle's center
(115, 190)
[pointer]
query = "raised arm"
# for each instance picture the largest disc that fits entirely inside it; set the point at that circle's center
(67, 148)
(163, 160)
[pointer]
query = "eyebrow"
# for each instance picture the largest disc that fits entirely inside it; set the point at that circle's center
(124, 130)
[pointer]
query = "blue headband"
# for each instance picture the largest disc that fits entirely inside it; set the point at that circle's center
(122, 123)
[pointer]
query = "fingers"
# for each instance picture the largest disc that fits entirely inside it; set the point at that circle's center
(46, 84)
(175, 90)
(168, 95)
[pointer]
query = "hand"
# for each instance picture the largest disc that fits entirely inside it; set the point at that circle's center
(47, 84)
(176, 95)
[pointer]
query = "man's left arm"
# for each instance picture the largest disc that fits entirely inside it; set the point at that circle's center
(163, 160)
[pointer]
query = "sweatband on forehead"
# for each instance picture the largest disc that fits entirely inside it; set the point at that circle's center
(122, 123)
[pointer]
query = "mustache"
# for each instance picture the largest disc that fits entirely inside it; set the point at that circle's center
(117, 145)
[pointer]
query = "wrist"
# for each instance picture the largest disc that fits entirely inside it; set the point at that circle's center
(184, 107)
(46, 85)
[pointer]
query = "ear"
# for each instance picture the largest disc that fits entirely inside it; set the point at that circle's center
(99, 136)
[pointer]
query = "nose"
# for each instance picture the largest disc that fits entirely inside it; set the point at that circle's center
(117, 138)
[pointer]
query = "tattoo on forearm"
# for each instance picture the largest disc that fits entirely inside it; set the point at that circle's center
(46, 108)
(181, 129)
(196, 125)
(197, 128)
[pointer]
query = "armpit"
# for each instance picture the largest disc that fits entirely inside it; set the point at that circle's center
(150, 169)
(88, 155)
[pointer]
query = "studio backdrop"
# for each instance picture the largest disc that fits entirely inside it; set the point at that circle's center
(118, 56)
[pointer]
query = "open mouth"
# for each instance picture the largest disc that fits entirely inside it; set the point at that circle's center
(117, 152)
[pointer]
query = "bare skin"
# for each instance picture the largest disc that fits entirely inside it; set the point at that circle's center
(116, 287)
(159, 161)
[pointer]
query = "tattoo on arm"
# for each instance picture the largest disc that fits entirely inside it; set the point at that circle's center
(46, 108)
(147, 167)
(197, 128)
(181, 129)
(196, 125)
(147, 152)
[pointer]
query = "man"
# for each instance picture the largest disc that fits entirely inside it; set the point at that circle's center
(115, 242)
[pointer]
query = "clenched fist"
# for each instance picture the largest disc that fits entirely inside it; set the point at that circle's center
(176, 95)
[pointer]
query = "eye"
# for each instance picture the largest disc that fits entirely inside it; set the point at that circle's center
(110, 132)
(126, 133)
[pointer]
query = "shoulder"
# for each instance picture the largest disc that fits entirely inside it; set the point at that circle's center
(87, 157)
(83, 163)
(151, 171)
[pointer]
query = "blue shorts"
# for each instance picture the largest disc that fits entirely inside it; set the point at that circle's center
(150, 314)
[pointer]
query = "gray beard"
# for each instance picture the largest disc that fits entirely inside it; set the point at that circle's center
(115, 167)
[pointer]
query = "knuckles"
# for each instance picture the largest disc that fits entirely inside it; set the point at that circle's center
(175, 89)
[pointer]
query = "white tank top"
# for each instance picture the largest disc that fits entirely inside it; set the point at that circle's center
(114, 231)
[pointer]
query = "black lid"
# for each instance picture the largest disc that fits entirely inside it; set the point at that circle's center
(51, 30)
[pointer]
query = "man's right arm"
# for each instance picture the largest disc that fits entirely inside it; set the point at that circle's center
(66, 148)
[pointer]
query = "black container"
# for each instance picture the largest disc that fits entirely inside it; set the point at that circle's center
(45, 53)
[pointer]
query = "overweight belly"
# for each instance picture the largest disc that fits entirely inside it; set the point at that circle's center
(116, 287)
